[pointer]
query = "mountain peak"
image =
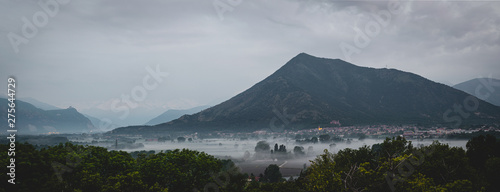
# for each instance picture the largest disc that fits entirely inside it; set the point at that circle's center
(309, 91)
(309, 56)
(72, 109)
(303, 55)
(307, 60)
(33, 120)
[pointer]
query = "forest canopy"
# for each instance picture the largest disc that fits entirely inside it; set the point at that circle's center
(393, 165)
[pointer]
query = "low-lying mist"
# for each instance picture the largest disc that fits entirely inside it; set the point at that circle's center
(243, 152)
(235, 148)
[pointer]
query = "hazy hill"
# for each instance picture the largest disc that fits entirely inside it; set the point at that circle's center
(39, 104)
(315, 91)
(32, 120)
(102, 124)
(172, 114)
(484, 88)
(136, 116)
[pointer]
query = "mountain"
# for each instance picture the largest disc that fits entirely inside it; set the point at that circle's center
(39, 104)
(33, 120)
(308, 92)
(101, 124)
(112, 119)
(487, 89)
(172, 114)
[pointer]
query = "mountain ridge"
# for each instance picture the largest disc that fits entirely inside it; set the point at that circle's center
(33, 120)
(314, 91)
(487, 89)
(173, 114)
(39, 104)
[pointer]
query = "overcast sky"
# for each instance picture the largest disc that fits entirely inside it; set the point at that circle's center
(87, 53)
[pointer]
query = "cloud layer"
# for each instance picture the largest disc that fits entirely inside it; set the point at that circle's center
(89, 53)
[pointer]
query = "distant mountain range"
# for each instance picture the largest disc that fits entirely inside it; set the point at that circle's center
(39, 104)
(33, 120)
(487, 89)
(172, 114)
(308, 92)
(100, 125)
(111, 119)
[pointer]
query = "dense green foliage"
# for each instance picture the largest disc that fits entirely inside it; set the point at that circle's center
(71, 167)
(394, 165)
(262, 147)
(272, 174)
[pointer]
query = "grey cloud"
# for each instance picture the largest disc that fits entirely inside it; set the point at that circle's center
(95, 51)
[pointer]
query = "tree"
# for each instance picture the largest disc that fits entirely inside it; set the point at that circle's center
(68, 167)
(298, 151)
(246, 156)
(314, 140)
(128, 183)
(262, 147)
(180, 170)
(394, 164)
(272, 174)
(492, 167)
(357, 168)
(442, 163)
(164, 138)
(459, 186)
(310, 150)
(230, 178)
(362, 136)
(484, 154)
(480, 148)
(419, 183)
(394, 147)
(280, 149)
(321, 176)
(181, 139)
(324, 138)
